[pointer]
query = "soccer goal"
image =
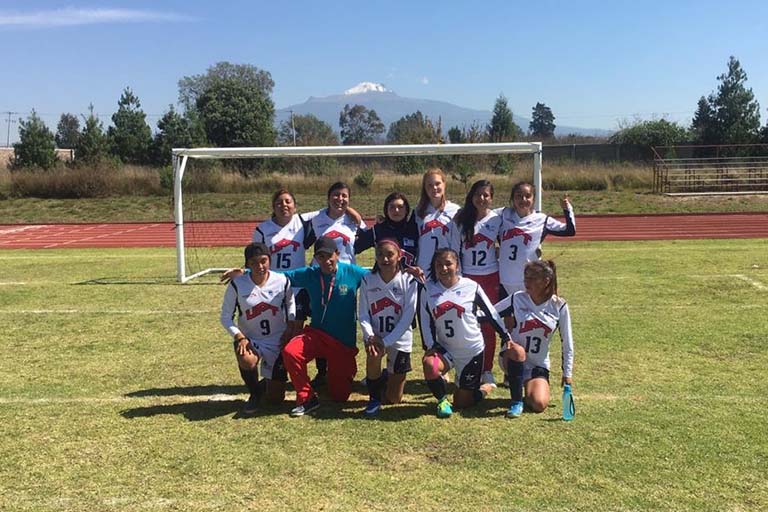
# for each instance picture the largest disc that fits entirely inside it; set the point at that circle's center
(206, 245)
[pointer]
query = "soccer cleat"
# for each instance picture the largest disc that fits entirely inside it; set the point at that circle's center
(487, 378)
(373, 407)
(307, 407)
(515, 410)
(251, 405)
(444, 409)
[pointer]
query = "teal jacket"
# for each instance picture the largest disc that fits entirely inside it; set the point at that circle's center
(338, 315)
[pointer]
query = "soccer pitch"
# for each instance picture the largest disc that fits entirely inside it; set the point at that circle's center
(119, 391)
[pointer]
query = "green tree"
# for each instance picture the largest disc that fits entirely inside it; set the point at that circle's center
(736, 112)
(542, 123)
(414, 128)
(174, 131)
(456, 136)
(310, 131)
(67, 131)
(359, 125)
(236, 113)
(651, 133)
(191, 88)
(502, 127)
(130, 136)
(36, 146)
(703, 129)
(92, 146)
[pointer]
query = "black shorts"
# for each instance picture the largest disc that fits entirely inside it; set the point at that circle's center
(470, 374)
(401, 363)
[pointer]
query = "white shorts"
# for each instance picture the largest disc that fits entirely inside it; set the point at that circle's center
(271, 360)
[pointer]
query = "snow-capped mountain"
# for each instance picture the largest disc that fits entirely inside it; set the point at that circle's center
(390, 107)
(364, 87)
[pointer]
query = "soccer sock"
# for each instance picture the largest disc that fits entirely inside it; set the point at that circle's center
(477, 395)
(251, 379)
(375, 386)
(515, 373)
(437, 387)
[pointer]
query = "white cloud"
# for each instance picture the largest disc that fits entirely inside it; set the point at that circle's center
(72, 17)
(425, 80)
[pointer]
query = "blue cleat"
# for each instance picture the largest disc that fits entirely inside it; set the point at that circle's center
(515, 410)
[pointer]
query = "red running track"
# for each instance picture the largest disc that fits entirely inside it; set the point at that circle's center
(588, 227)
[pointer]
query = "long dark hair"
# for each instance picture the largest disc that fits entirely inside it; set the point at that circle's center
(391, 197)
(438, 254)
(467, 216)
(544, 268)
(517, 186)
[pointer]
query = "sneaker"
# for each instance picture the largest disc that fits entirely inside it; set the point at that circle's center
(373, 407)
(515, 410)
(310, 405)
(319, 380)
(487, 378)
(251, 405)
(444, 409)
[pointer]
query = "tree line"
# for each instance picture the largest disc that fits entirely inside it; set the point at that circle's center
(230, 105)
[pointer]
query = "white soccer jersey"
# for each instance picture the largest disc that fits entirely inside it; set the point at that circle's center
(262, 311)
(434, 232)
(535, 326)
(286, 244)
(387, 309)
(341, 230)
(520, 237)
(448, 316)
(478, 256)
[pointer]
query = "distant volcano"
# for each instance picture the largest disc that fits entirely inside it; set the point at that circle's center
(390, 107)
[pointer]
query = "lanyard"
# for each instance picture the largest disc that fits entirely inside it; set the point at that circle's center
(324, 300)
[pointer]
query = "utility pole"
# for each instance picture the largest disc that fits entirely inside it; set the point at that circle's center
(293, 128)
(8, 129)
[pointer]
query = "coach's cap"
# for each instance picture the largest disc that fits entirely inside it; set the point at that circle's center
(255, 249)
(325, 245)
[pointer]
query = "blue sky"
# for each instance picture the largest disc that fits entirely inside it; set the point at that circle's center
(595, 64)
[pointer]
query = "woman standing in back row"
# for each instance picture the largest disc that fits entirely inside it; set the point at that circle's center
(433, 216)
(522, 232)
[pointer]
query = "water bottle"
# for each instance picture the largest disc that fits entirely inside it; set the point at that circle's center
(569, 407)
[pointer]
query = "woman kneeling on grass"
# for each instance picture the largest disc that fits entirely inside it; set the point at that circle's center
(264, 305)
(533, 316)
(450, 329)
(386, 307)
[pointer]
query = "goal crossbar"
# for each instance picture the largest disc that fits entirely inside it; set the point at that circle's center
(181, 156)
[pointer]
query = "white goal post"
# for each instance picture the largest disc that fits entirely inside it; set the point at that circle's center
(182, 155)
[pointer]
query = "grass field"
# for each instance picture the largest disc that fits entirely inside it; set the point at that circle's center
(119, 391)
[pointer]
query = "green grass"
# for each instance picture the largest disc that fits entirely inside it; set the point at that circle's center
(109, 374)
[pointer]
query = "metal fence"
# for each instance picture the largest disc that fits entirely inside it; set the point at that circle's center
(733, 169)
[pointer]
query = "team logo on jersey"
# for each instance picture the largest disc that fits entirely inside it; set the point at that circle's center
(477, 239)
(535, 323)
(445, 307)
(282, 244)
(409, 242)
(407, 257)
(338, 234)
(260, 308)
(517, 232)
(383, 303)
(343, 289)
(433, 224)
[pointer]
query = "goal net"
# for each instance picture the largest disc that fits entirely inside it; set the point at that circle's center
(217, 206)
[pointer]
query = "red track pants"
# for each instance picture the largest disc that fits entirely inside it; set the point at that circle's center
(311, 344)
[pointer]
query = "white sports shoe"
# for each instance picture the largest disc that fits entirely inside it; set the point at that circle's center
(487, 378)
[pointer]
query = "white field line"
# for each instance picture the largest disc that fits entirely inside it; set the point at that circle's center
(21, 229)
(754, 282)
(13, 283)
